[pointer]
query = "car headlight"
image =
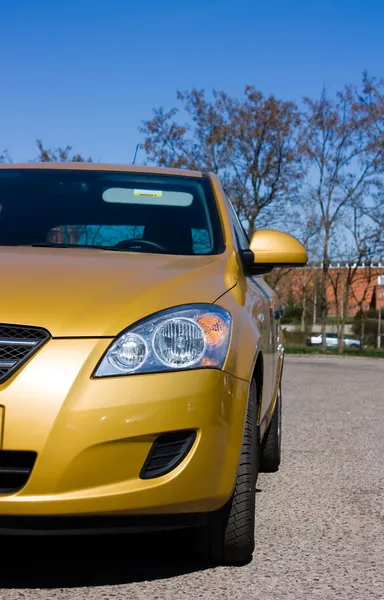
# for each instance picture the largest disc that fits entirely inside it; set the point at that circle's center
(188, 337)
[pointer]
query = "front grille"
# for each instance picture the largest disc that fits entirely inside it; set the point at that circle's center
(17, 344)
(167, 452)
(15, 469)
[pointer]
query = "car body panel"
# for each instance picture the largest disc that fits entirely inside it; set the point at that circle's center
(254, 338)
(80, 293)
(92, 436)
(86, 166)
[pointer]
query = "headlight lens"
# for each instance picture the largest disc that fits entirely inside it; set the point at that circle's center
(182, 338)
(129, 353)
(179, 343)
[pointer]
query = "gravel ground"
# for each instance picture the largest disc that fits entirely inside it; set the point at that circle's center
(320, 520)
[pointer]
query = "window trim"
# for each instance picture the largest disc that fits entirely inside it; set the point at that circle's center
(237, 226)
(246, 254)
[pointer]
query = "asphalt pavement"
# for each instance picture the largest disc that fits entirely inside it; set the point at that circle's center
(320, 520)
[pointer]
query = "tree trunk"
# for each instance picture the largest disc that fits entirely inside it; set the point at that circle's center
(341, 331)
(323, 294)
(362, 332)
(303, 306)
(315, 301)
(304, 301)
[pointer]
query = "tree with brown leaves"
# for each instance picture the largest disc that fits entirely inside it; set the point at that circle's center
(4, 157)
(253, 144)
(58, 154)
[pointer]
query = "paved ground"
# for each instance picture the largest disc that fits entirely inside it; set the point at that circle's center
(320, 521)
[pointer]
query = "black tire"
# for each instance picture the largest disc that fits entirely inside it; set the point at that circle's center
(229, 537)
(271, 446)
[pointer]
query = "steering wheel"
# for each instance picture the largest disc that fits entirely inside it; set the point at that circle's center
(139, 242)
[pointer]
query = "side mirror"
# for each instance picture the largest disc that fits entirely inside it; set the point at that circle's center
(270, 248)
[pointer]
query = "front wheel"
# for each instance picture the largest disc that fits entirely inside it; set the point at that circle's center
(229, 537)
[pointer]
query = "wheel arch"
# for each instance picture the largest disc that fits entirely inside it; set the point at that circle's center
(258, 374)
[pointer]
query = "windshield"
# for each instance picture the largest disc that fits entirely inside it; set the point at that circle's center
(114, 210)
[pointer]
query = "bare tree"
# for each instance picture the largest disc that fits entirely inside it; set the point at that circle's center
(4, 157)
(365, 242)
(275, 277)
(304, 223)
(252, 143)
(366, 282)
(335, 283)
(58, 154)
(345, 150)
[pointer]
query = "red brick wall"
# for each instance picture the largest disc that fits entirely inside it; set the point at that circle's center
(298, 283)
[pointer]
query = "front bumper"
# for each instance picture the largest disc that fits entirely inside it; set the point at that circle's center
(92, 437)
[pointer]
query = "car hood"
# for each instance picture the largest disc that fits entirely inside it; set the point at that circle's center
(88, 292)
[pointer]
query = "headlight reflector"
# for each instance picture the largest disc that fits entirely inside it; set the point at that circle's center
(179, 343)
(181, 338)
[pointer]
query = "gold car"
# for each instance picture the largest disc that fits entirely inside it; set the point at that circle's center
(140, 355)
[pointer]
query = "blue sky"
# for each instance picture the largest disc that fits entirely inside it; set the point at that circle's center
(87, 74)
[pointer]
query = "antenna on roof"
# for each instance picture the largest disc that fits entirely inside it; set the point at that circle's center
(136, 151)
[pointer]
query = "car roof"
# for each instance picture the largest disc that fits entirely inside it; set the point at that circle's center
(90, 166)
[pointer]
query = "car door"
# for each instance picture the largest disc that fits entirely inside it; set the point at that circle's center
(275, 319)
(270, 332)
(258, 298)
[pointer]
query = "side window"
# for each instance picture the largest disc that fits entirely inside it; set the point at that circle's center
(242, 238)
